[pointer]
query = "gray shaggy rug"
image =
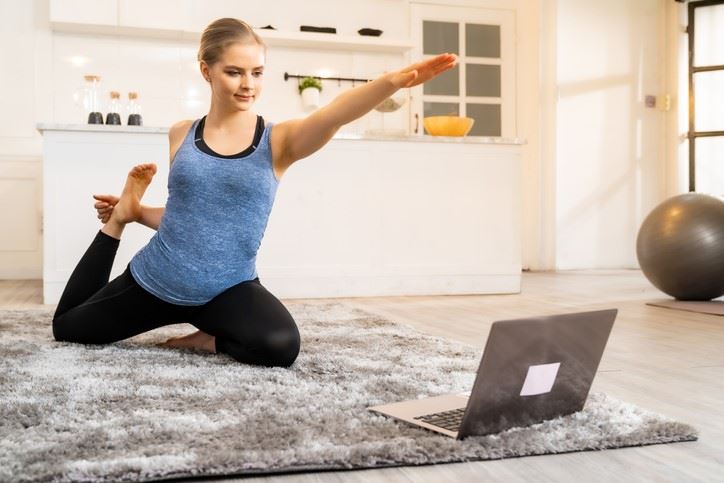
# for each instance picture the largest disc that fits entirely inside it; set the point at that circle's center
(130, 411)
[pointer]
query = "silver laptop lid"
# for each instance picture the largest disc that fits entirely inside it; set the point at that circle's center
(536, 368)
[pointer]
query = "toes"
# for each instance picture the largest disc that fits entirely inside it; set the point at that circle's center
(141, 169)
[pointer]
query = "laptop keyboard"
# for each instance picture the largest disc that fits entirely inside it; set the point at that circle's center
(449, 420)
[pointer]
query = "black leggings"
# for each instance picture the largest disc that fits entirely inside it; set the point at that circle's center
(249, 323)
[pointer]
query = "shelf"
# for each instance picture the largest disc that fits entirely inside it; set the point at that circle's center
(273, 38)
(317, 40)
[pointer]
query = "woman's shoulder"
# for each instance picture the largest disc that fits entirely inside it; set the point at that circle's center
(180, 127)
(176, 135)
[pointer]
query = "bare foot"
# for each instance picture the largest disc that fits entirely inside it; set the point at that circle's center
(197, 340)
(128, 208)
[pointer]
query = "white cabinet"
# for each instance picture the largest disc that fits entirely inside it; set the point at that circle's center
(186, 19)
(21, 240)
(203, 12)
(90, 12)
(76, 164)
(158, 14)
(365, 218)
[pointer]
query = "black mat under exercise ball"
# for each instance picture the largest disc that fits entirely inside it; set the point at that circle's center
(712, 307)
(130, 411)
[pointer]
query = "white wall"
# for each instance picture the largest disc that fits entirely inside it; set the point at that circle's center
(610, 151)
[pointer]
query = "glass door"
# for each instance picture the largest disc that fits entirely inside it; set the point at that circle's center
(706, 97)
(482, 85)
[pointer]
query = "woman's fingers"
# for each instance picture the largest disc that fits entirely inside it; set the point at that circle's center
(438, 62)
(107, 198)
(425, 70)
(441, 60)
(103, 207)
(438, 59)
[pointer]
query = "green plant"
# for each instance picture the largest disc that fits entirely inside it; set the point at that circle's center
(310, 82)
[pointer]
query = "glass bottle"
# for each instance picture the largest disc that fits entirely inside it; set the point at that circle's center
(114, 109)
(91, 100)
(134, 110)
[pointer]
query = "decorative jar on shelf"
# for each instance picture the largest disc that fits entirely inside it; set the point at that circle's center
(134, 110)
(88, 98)
(113, 116)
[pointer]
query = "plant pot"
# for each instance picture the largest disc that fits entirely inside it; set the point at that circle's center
(310, 98)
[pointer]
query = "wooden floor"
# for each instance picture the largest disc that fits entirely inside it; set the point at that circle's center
(665, 360)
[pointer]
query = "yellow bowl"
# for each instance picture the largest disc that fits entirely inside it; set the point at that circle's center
(448, 125)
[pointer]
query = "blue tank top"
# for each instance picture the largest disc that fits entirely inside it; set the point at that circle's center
(216, 214)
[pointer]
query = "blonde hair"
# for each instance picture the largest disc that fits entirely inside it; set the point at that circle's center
(223, 32)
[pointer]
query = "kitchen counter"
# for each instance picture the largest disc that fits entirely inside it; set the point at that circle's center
(361, 217)
(339, 135)
(54, 126)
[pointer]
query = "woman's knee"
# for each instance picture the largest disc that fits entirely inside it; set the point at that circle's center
(59, 333)
(66, 328)
(272, 348)
(283, 346)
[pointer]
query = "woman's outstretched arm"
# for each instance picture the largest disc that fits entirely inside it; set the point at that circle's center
(355, 103)
(302, 137)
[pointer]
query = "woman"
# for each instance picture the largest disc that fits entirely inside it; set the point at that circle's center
(199, 267)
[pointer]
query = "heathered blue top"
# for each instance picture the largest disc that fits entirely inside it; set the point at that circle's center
(216, 214)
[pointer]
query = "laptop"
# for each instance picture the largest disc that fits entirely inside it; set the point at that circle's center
(532, 369)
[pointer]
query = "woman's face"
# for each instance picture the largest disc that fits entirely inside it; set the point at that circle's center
(237, 78)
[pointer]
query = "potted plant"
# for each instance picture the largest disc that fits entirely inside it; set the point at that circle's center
(309, 88)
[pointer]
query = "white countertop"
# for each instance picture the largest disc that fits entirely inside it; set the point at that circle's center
(46, 126)
(56, 126)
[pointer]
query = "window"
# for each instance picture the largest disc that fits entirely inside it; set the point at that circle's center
(706, 96)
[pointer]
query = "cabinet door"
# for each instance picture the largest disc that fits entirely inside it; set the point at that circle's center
(256, 14)
(482, 85)
(21, 242)
(95, 12)
(158, 14)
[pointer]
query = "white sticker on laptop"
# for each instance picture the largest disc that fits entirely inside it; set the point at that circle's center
(540, 379)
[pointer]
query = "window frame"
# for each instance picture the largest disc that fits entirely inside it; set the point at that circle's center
(693, 134)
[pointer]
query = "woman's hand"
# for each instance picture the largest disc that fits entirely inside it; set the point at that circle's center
(104, 206)
(423, 71)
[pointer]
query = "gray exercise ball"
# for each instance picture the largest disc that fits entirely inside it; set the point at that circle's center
(680, 247)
